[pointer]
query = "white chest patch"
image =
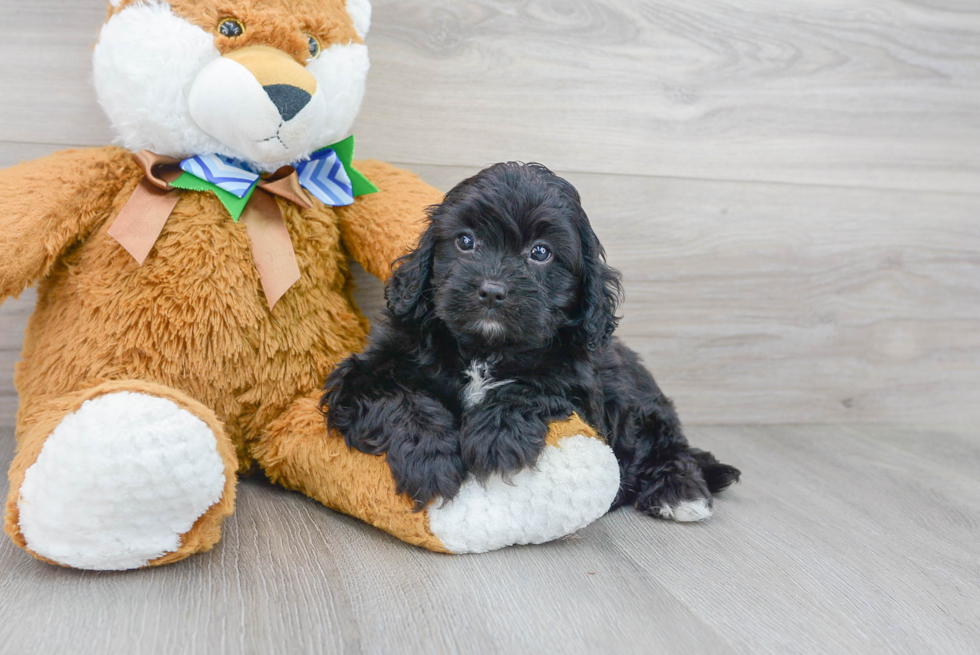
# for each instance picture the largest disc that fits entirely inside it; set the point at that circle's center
(480, 383)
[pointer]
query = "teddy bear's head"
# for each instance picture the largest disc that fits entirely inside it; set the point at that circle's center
(266, 81)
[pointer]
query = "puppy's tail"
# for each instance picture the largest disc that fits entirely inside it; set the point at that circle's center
(718, 476)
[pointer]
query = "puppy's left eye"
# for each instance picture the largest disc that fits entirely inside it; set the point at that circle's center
(465, 242)
(540, 253)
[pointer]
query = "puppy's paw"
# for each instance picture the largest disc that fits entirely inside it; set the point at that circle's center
(355, 407)
(718, 476)
(679, 493)
(500, 442)
(685, 511)
(423, 474)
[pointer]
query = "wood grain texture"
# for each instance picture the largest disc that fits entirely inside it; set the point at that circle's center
(839, 540)
(814, 91)
(881, 93)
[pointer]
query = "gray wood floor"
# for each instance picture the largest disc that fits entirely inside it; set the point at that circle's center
(842, 539)
(792, 191)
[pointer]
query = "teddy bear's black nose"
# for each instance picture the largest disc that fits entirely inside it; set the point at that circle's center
(288, 99)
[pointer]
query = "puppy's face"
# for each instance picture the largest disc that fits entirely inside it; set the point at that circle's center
(508, 261)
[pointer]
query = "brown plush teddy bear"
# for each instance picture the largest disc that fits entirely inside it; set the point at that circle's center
(193, 295)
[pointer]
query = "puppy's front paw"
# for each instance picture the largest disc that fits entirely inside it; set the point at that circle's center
(500, 441)
(424, 475)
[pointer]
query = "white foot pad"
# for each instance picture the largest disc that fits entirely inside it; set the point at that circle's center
(573, 485)
(687, 511)
(118, 482)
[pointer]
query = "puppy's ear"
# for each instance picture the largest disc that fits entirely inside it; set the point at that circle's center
(601, 291)
(408, 291)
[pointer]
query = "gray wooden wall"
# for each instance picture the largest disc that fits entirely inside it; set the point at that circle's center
(792, 190)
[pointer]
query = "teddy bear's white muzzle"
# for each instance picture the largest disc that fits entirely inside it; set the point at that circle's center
(259, 102)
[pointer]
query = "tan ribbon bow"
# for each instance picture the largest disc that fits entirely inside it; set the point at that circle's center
(141, 220)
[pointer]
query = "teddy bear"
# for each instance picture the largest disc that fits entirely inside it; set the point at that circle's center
(194, 290)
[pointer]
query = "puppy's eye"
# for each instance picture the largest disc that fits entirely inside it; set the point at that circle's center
(540, 253)
(314, 46)
(465, 242)
(231, 27)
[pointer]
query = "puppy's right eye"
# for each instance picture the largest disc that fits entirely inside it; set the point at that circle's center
(465, 242)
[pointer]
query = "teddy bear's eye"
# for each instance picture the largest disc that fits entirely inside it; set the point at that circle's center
(231, 27)
(314, 46)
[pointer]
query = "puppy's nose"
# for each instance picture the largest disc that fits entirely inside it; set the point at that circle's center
(492, 293)
(288, 99)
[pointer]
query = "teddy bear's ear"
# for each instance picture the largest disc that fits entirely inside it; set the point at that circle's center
(360, 14)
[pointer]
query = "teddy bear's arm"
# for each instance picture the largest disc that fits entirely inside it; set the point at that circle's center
(381, 227)
(48, 204)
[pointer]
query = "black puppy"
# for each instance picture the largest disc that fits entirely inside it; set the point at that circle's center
(498, 323)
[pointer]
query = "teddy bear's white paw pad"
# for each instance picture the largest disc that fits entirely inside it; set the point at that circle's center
(118, 482)
(572, 485)
(687, 511)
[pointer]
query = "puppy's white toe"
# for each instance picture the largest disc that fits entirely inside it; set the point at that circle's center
(687, 511)
(118, 482)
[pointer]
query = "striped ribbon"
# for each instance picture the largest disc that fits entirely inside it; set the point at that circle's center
(323, 175)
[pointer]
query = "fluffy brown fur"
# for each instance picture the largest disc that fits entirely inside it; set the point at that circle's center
(191, 324)
(193, 319)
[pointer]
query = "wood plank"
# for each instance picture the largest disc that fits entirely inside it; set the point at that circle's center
(879, 93)
(48, 96)
(955, 449)
(870, 92)
(15, 152)
(837, 541)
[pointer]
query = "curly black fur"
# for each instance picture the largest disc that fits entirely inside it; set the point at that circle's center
(541, 329)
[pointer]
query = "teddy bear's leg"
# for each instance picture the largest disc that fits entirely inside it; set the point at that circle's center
(120, 476)
(297, 452)
(574, 483)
